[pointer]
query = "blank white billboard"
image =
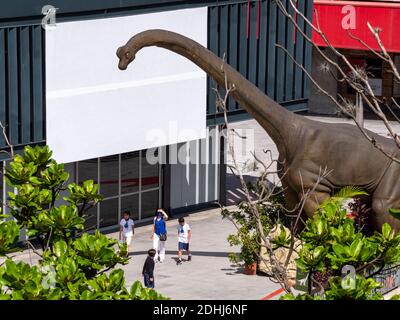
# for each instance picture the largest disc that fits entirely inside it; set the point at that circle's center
(93, 109)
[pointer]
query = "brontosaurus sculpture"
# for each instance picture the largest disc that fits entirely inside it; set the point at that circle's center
(304, 145)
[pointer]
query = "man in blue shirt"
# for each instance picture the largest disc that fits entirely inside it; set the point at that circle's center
(159, 234)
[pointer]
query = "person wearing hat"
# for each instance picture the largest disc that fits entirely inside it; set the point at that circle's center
(159, 234)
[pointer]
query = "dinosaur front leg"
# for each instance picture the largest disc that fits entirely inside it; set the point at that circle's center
(307, 182)
(291, 198)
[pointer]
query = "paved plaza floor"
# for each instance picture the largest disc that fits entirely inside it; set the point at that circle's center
(210, 275)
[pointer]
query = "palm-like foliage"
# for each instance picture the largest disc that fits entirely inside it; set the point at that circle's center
(348, 192)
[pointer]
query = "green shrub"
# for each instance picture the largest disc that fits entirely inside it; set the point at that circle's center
(70, 266)
(331, 241)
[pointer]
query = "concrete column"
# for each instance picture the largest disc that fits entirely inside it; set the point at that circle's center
(319, 102)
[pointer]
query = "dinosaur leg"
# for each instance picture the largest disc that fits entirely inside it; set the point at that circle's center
(311, 204)
(298, 179)
(290, 194)
(313, 201)
(307, 177)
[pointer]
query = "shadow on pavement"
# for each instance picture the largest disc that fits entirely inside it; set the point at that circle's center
(234, 269)
(194, 253)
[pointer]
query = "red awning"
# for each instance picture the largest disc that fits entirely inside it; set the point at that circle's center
(333, 18)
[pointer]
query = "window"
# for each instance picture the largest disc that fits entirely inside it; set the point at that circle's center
(127, 182)
(109, 214)
(396, 84)
(88, 170)
(374, 68)
(131, 203)
(91, 219)
(130, 172)
(109, 176)
(149, 203)
(70, 168)
(150, 173)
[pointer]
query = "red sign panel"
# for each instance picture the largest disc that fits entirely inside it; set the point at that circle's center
(336, 18)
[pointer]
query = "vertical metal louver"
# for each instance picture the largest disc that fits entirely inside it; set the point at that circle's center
(22, 85)
(246, 37)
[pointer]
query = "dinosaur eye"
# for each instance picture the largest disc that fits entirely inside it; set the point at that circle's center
(127, 55)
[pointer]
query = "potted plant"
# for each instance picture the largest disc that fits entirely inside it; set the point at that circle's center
(249, 247)
(248, 236)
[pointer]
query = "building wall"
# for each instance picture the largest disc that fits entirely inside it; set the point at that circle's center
(246, 37)
(319, 102)
(195, 180)
(396, 85)
(22, 103)
(22, 51)
(143, 107)
(379, 73)
(244, 34)
(380, 77)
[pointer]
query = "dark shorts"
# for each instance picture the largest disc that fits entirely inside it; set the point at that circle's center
(183, 246)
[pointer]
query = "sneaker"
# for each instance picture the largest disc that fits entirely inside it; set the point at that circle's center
(179, 262)
(190, 258)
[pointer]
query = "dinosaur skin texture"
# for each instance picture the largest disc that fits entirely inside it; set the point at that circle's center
(305, 146)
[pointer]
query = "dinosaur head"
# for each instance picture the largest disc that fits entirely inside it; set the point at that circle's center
(126, 56)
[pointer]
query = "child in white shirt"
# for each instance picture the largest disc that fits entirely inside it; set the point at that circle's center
(127, 229)
(184, 235)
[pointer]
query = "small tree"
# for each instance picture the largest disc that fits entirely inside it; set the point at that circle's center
(72, 263)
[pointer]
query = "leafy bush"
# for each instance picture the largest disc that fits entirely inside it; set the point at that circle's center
(344, 289)
(332, 240)
(70, 266)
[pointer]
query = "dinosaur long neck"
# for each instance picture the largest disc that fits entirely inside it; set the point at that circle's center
(277, 121)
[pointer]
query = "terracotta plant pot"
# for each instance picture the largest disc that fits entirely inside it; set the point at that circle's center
(251, 270)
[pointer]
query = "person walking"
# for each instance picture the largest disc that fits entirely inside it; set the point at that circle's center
(148, 269)
(184, 235)
(159, 234)
(126, 230)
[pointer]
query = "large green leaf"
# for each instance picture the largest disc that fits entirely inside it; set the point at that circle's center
(395, 213)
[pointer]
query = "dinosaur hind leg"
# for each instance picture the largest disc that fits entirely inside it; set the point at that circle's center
(313, 201)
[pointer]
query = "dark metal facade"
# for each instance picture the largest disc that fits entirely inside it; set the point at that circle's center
(247, 39)
(22, 85)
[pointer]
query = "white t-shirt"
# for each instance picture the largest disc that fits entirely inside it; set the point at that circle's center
(183, 233)
(127, 226)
